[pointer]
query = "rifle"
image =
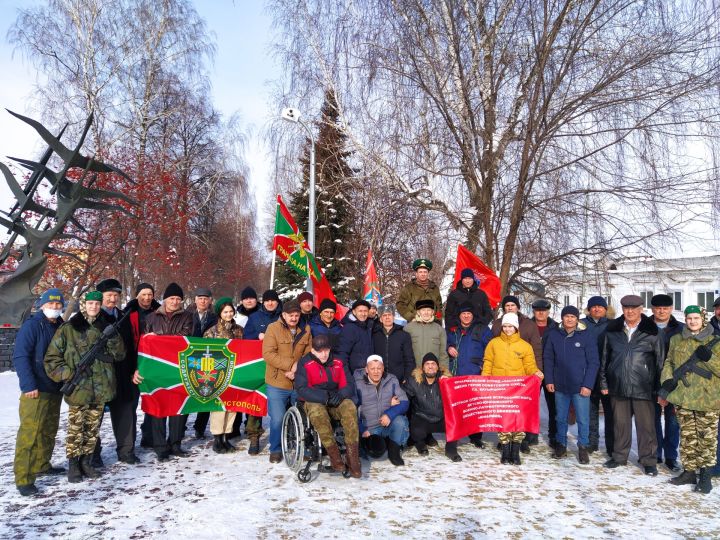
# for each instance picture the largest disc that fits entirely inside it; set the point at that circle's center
(88, 359)
(702, 354)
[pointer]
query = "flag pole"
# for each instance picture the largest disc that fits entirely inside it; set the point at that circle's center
(272, 269)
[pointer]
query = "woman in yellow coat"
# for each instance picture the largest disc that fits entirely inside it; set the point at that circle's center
(510, 356)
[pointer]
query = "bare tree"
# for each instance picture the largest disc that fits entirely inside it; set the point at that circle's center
(541, 132)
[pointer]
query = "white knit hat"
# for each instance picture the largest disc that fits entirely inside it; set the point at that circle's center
(374, 358)
(511, 318)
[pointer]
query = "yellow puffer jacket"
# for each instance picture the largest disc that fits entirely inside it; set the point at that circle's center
(509, 356)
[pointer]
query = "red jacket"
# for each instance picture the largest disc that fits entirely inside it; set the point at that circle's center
(315, 380)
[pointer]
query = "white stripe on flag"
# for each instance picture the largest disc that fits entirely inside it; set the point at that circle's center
(179, 412)
(158, 359)
(247, 390)
(162, 388)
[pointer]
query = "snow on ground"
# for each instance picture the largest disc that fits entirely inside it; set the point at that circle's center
(238, 496)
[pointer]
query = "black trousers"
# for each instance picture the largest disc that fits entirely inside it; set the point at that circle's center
(165, 438)
(201, 422)
(595, 400)
(123, 415)
(644, 412)
(421, 428)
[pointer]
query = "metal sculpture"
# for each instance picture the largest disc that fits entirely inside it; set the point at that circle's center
(16, 292)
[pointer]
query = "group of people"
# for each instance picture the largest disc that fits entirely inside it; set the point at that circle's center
(378, 378)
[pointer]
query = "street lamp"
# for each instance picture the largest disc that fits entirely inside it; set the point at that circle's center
(293, 115)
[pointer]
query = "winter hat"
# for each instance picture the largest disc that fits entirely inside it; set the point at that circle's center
(321, 342)
(109, 285)
(94, 295)
(361, 302)
(541, 305)
(661, 300)
(424, 303)
(248, 292)
(467, 272)
(386, 308)
(430, 357)
(327, 304)
(220, 304)
(570, 310)
(174, 290)
(511, 318)
(465, 307)
(203, 291)
(596, 301)
(51, 295)
(305, 295)
(510, 298)
(374, 358)
(142, 286)
(291, 307)
(694, 309)
(631, 300)
(270, 294)
(717, 302)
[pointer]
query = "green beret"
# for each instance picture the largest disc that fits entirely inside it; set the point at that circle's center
(422, 263)
(693, 309)
(94, 295)
(222, 302)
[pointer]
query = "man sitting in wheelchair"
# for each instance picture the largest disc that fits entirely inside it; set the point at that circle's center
(327, 390)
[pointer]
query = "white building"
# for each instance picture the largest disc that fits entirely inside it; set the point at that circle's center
(689, 280)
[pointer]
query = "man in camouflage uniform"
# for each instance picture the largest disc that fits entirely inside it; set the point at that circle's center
(40, 397)
(421, 287)
(696, 396)
(71, 342)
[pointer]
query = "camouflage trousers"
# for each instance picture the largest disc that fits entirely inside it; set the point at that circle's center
(319, 416)
(39, 420)
(698, 437)
(507, 437)
(83, 429)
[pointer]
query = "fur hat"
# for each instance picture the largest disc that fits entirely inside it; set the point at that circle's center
(327, 304)
(424, 303)
(361, 302)
(661, 300)
(541, 304)
(109, 285)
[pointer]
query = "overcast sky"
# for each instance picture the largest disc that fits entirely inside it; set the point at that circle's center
(242, 68)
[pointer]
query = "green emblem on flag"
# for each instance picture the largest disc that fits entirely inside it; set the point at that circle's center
(206, 369)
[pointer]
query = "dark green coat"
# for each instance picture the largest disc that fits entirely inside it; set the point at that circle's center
(701, 394)
(412, 292)
(71, 341)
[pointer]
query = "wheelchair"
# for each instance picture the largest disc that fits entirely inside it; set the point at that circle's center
(301, 446)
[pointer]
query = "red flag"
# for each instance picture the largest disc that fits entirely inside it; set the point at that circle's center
(487, 279)
(475, 404)
(371, 288)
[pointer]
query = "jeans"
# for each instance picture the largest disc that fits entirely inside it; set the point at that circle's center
(669, 441)
(582, 413)
(278, 400)
(398, 431)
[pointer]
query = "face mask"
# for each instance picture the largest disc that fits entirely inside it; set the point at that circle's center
(52, 313)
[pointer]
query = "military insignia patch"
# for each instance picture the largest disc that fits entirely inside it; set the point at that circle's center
(206, 370)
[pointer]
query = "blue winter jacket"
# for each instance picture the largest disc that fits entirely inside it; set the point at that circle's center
(355, 342)
(258, 322)
(317, 327)
(571, 361)
(31, 344)
(374, 401)
(470, 344)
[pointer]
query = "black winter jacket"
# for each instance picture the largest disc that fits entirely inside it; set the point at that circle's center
(482, 312)
(355, 343)
(425, 399)
(395, 349)
(631, 369)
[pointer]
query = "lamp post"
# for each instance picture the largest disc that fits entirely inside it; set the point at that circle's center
(293, 115)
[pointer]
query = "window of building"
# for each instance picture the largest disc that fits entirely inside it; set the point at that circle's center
(646, 297)
(566, 300)
(706, 299)
(677, 299)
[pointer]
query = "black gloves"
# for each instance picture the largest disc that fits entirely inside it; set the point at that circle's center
(334, 399)
(667, 387)
(703, 353)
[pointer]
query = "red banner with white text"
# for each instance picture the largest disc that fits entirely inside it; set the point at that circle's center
(475, 404)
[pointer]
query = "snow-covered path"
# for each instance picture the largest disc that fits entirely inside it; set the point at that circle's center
(237, 496)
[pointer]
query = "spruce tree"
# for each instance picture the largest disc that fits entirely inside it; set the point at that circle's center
(334, 213)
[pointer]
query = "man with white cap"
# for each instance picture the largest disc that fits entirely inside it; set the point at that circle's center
(382, 404)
